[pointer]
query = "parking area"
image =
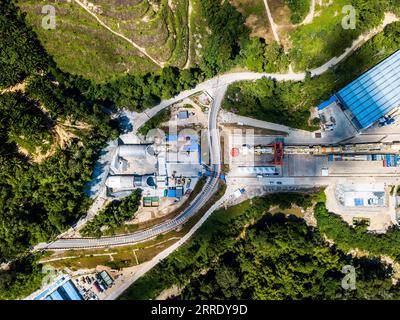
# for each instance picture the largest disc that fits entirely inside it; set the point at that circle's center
(335, 124)
(303, 165)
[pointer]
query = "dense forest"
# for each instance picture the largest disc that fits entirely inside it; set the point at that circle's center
(20, 278)
(347, 237)
(113, 215)
(280, 258)
(40, 198)
(246, 253)
(23, 123)
(20, 53)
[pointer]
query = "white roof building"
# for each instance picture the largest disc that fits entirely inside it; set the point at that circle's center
(361, 194)
(162, 168)
(138, 151)
(130, 182)
(257, 170)
(120, 182)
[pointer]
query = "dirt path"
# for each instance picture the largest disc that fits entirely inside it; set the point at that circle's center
(170, 292)
(190, 9)
(310, 17)
(110, 255)
(307, 20)
(18, 87)
(274, 27)
(141, 49)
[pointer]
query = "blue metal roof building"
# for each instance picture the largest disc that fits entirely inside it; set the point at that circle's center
(374, 94)
(183, 114)
(61, 289)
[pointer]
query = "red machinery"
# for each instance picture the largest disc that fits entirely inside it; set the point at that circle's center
(278, 153)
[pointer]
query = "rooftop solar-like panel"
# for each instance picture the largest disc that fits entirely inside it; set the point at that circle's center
(56, 296)
(375, 93)
(72, 291)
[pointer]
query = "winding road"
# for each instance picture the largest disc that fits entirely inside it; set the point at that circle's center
(201, 199)
(216, 87)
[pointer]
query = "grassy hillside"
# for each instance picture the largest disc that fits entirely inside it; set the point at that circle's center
(316, 43)
(159, 26)
(256, 17)
(81, 46)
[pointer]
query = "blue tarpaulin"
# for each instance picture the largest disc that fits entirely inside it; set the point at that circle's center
(171, 193)
(358, 202)
(183, 114)
(171, 137)
(326, 103)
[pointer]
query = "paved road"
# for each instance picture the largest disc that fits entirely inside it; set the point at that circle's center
(198, 203)
(212, 186)
(218, 85)
(126, 283)
(310, 181)
(201, 199)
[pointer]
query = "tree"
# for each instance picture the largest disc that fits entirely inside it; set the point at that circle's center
(20, 53)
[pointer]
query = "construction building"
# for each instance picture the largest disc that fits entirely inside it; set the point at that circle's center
(62, 288)
(164, 169)
(374, 95)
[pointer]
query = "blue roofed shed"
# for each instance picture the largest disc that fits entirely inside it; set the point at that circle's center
(327, 103)
(183, 114)
(374, 94)
(358, 202)
(171, 137)
(171, 193)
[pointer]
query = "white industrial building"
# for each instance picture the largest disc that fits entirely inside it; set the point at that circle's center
(263, 170)
(134, 159)
(129, 182)
(155, 168)
(361, 195)
(138, 151)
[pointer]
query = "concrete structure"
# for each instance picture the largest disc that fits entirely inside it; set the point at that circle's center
(138, 151)
(131, 182)
(361, 194)
(173, 162)
(265, 171)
